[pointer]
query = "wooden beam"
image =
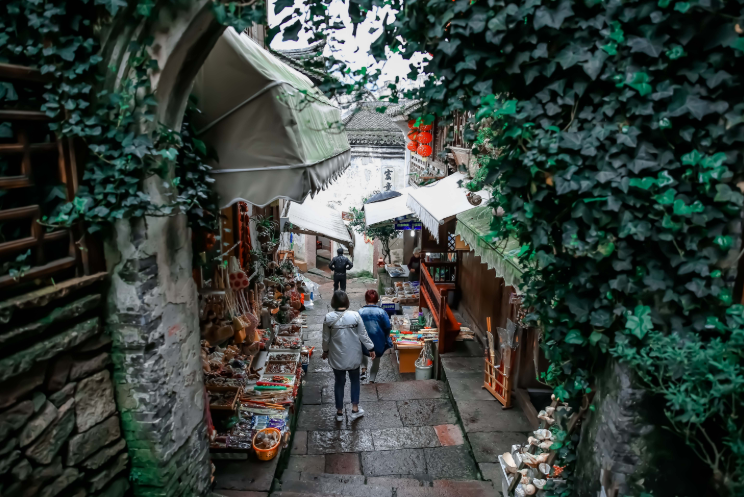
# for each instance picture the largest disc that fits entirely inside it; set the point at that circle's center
(31, 241)
(23, 73)
(23, 115)
(40, 271)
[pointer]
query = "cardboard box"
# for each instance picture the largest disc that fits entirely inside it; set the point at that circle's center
(302, 266)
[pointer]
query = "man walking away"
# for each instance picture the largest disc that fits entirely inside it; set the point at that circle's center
(339, 265)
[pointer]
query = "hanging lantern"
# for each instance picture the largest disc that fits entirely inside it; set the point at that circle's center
(426, 127)
(413, 146)
(412, 124)
(413, 136)
(425, 137)
(424, 150)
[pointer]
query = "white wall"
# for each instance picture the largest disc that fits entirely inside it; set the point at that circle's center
(363, 176)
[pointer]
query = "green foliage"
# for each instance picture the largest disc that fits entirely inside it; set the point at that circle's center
(614, 146)
(126, 145)
(385, 233)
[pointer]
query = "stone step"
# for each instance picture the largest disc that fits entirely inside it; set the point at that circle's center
(359, 485)
(333, 488)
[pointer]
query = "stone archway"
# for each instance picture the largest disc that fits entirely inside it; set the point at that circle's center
(152, 307)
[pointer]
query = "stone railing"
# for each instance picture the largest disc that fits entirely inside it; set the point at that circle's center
(59, 425)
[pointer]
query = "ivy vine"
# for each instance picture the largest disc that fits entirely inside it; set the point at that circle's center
(611, 133)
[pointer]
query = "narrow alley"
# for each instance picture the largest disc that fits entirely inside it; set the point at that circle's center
(410, 441)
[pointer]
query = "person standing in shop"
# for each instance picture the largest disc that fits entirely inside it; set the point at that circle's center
(414, 266)
(377, 323)
(344, 336)
(339, 265)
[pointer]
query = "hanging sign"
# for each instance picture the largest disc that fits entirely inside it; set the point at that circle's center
(410, 225)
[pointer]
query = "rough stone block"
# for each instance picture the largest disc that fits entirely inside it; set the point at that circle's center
(82, 368)
(13, 418)
(94, 400)
(59, 372)
(83, 445)
(22, 470)
(39, 399)
(12, 390)
(54, 436)
(38, 424)
(62, 396)
(63, 481)
(96, 343)
(102, 456)
(100, 480)
(6, 447)
(25, 360)
(117, 488)
(8, 461)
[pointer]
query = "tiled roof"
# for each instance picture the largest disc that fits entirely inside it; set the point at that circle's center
(366, 126)
(296, 59)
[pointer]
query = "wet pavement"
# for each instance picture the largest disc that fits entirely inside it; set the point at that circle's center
(409, 438)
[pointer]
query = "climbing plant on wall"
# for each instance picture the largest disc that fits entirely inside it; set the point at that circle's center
(619, 127)
(125, 146)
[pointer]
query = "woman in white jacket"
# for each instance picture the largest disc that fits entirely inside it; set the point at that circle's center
(344, 335)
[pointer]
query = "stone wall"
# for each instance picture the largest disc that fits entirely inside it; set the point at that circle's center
(153, 320)
(59, 426)
(624, 448)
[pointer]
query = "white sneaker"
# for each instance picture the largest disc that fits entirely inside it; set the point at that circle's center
(356, 415)
(363, 376)
(339, 417)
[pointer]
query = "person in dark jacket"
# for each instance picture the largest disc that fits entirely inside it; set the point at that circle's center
(339, 265)
(378, 326)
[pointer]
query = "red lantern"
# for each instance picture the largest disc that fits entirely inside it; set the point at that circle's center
(413, 136)
(424, 137)
(424, 150)
(426, 127)
(413, 146)
(412, 124)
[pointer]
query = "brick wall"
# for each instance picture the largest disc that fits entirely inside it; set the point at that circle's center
(60, 429)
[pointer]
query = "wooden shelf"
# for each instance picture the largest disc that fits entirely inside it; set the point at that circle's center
(19, 148)
(29, 242)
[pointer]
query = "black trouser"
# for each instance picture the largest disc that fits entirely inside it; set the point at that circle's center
(339, 279)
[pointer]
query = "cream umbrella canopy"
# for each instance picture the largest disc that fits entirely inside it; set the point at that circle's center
(276, 136)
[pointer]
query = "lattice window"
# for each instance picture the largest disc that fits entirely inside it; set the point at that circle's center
(451, 244)
(37, 172)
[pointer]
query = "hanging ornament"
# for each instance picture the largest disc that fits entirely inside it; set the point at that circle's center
(412, 124)
(426, 127)
(425, 137)
(424, 150)
(413, 146)
(413, 135)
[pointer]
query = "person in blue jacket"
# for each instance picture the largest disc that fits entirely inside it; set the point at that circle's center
(378, 326)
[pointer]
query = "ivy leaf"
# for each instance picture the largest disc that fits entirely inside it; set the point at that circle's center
(639, 322)
(652, 48)
(449, 47)
(280, 5)
(112, 6)
(553, 18)
(574, 338)
(292, 31)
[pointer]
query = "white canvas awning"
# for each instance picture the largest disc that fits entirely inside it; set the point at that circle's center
(275, 134)
(313, 218)
(436, 203)
(387, 210)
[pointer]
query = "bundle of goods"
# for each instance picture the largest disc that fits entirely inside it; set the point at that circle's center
(280, 368)
(230, 363)
(395, 270)
(406, 293)
(223, 398)
(289, 342)
(288, 329)
(465, 334)
(528, 469)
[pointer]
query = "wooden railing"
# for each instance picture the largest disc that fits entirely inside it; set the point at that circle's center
(433, 296)
(442, 272)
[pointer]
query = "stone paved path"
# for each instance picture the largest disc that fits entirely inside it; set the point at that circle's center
(489, 429)
(409, 441)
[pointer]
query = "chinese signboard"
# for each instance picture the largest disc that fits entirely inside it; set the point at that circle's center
(410, 225)
(388, 179)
